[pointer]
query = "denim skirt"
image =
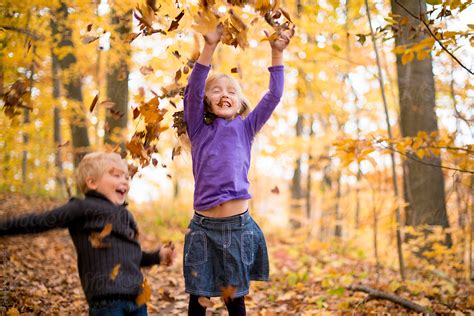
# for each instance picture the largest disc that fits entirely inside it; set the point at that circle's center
(224, 252)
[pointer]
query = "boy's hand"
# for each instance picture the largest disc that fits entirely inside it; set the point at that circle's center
(167, 254)
(213, 38)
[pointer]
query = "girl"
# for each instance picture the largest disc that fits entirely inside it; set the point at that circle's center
(224, 248)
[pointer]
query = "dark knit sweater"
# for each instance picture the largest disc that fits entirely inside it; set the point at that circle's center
(95, 264)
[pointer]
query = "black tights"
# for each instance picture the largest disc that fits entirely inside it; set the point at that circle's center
(236, 307)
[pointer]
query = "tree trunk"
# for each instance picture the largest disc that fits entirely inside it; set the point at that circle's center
(308, 178)
(296, 186)
(425, 185)
(117, 87)
(58, 160)
(72, 86)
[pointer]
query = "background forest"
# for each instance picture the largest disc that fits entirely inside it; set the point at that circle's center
(362, 179)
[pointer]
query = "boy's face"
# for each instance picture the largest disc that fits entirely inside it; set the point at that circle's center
(113, 184)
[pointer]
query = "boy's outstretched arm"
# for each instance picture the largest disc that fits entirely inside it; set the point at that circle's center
(36, 223)
(164, 256)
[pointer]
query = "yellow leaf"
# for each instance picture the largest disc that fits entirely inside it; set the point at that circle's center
(115, 271)
(420, 153)
(13, 312)
(407, 57)
(205, 22)
(96, 238)
(399, 49)
(422, 54)
(145, 294)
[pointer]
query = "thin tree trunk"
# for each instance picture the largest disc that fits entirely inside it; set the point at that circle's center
(72, 86)
(308, 179)
(296, 186)
(392, 157)
(337, 207)
(117, 86)
(58, 161)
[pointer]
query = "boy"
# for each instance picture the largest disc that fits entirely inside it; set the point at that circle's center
(104, 234)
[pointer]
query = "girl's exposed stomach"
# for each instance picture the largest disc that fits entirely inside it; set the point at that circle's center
(226, 209)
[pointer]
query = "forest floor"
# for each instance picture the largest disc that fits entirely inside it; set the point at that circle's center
(39, 276)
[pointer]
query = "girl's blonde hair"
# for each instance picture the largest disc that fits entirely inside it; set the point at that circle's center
(95, 165)
(244, 103)
(244, 106)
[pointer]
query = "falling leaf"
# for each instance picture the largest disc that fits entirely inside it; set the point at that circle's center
(145, 294)
(89, 27)
(136, 113)
(194, 273)
(361, 38)
(136, 149)
(146, 70)
(115, 114)
(150, 111)
(205, 302)
(169, 176)
(131, 37)
(177, 75)
(286, 14)
(175, 23)
(89, 39)
(132, 170)
(176, 152)
(187, 231)
(275, 190)
(205, 22)
(115, 271)
(108, 104)
(176, 54)
(228, 293)
(96, 238)
(94, 102)
(64, 145)
(234, 70)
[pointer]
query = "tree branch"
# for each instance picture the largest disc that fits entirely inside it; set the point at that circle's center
(376, 294)
(22, 31)
(434, 36)
(424, 162)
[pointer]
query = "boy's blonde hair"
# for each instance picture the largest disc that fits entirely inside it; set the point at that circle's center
(244, 103)
(95, 165)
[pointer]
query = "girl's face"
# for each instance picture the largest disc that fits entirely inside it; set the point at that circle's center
(223, 98)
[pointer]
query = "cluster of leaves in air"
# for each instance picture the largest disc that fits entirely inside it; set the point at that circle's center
(235, 33)
(15, 98)
(432, 24)
(418, 148)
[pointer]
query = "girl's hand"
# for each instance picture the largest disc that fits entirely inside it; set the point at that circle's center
(281, 42)
(213, 38)
(167, 254)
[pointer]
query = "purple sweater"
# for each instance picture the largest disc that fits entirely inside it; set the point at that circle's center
(221, 151)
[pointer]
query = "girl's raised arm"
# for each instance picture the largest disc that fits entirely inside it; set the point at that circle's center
(264, 109)
(194, 93)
